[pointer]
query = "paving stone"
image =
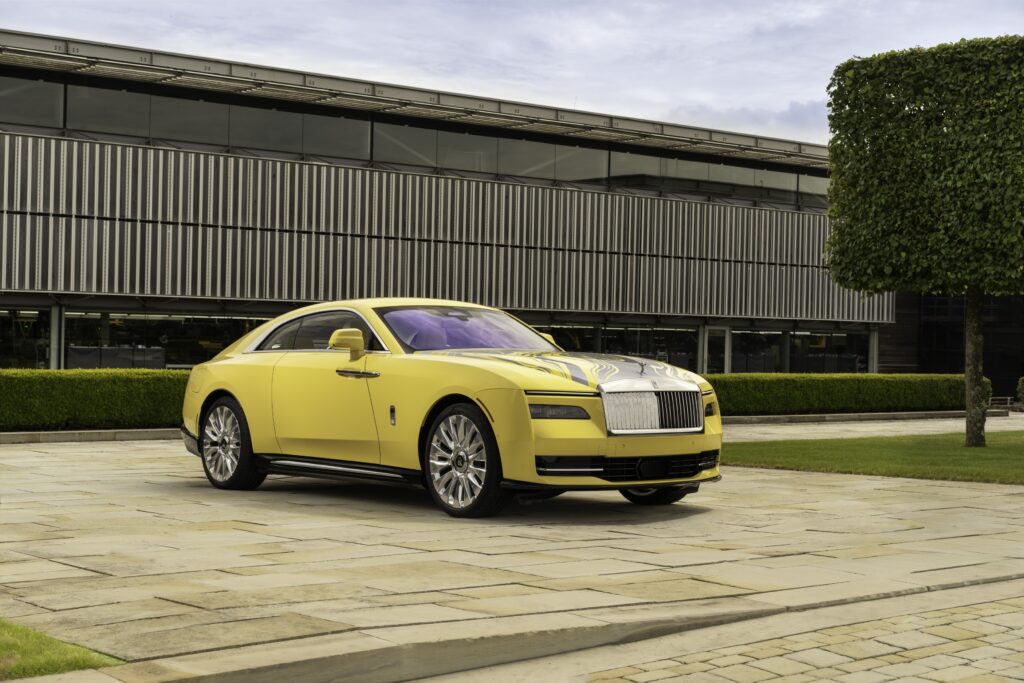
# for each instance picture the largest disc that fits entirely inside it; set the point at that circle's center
(956, 673)
(818, 657)
(741, 673)
(863, 677)
(781, 666)
(911, 639)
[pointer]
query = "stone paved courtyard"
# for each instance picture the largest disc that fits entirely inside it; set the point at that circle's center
(981, 642)
(124, 547)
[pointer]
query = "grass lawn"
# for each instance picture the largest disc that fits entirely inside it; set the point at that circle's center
(939, 456)
(24, 653)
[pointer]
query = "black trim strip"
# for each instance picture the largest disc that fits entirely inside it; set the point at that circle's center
(570, 394)
(191, 441)
(330, 468)
(526, 486)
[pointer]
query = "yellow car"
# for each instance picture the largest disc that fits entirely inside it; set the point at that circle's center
(464, 400)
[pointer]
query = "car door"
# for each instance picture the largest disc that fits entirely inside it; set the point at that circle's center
(321, 400)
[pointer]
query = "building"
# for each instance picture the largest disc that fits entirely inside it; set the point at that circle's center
(156, 206)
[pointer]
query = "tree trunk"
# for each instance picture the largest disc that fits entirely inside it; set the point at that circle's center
(977, 400)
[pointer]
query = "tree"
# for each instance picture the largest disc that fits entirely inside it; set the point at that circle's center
(927, 187)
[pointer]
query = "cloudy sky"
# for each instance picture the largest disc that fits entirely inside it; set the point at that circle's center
(758, 66)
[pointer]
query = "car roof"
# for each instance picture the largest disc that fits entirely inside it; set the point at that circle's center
(382, 302)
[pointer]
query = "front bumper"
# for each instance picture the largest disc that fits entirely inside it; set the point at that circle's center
(191, 441)
(692, 485)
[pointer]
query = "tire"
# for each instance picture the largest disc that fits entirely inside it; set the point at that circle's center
(226, 447)
(461, 464)
(660, 496)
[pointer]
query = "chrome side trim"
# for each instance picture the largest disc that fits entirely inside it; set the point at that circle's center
(336, 468)
(366, 374)
(540, 392)
(562, 470)
(254, 346)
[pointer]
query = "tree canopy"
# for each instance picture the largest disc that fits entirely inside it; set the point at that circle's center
(927, 154)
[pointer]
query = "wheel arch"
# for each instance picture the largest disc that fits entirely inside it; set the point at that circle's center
(435, 410)
(209, 401)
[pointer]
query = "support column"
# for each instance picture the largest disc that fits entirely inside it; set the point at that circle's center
(785, 349)
(56, 337)
(873, 351)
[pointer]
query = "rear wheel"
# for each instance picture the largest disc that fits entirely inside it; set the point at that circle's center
(226, 448)
(659, 496)
(461, 463)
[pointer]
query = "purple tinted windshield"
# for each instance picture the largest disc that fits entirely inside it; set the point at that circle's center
(431, 328)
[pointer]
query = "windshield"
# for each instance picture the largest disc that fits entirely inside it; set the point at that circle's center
(431, 328)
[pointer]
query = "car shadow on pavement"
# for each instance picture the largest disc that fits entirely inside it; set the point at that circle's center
(331, 497)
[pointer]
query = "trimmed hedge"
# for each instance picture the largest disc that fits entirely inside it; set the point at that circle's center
(1020, 390)
(792, 394)
(111, 399)
(90, 399)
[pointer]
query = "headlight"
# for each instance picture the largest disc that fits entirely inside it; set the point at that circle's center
(709, 409)
(552, 412)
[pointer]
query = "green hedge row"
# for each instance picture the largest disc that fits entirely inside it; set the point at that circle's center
(90, 399)
(793, 394)
(1020, 390)
(109, 399)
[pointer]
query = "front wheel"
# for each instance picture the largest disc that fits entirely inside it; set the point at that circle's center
(660, 496)
(461, 463)
(226, 448)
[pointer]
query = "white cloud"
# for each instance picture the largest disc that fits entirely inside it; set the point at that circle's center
(757, 66)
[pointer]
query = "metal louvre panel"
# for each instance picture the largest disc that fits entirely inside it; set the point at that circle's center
(105, 218)
(680, 410)
(630, 410)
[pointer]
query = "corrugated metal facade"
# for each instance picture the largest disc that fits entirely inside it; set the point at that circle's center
(103, 218)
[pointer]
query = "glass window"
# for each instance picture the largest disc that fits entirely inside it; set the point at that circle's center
(675, 347)
(335, 136)
(432, 328)
(756, 351)
(31, 102)
(283, 338)
(178, 118)
(581, 163)
(684, 168)
(720, 173)
(466, 152)
(266, 129)
(625, 164)
(108, 111)
(143, 340)
(572, 338)
(404, 145)
(776, 180)
(316, 330)
(526, 158)
(619, 340)
(24, 339)
(810, 352)
(813, 184)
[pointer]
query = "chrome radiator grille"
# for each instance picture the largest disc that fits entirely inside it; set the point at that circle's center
(653, 411)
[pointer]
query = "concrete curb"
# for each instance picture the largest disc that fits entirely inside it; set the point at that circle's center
(409, 652)
(854, 417)
(90, 435)
(156, 434)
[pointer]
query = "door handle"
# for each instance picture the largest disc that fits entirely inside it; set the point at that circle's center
(365, 374)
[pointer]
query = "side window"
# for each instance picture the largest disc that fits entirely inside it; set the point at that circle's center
(281, 339)
(316, 330)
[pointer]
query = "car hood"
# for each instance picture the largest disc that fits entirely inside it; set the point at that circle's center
(588, 371)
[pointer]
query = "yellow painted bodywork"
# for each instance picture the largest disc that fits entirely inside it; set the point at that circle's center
(296, 404)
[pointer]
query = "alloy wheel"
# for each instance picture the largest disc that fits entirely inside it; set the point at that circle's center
(457, 461)
(222, 443)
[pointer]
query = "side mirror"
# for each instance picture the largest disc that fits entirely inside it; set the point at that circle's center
(349, 339)
(550, 339)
